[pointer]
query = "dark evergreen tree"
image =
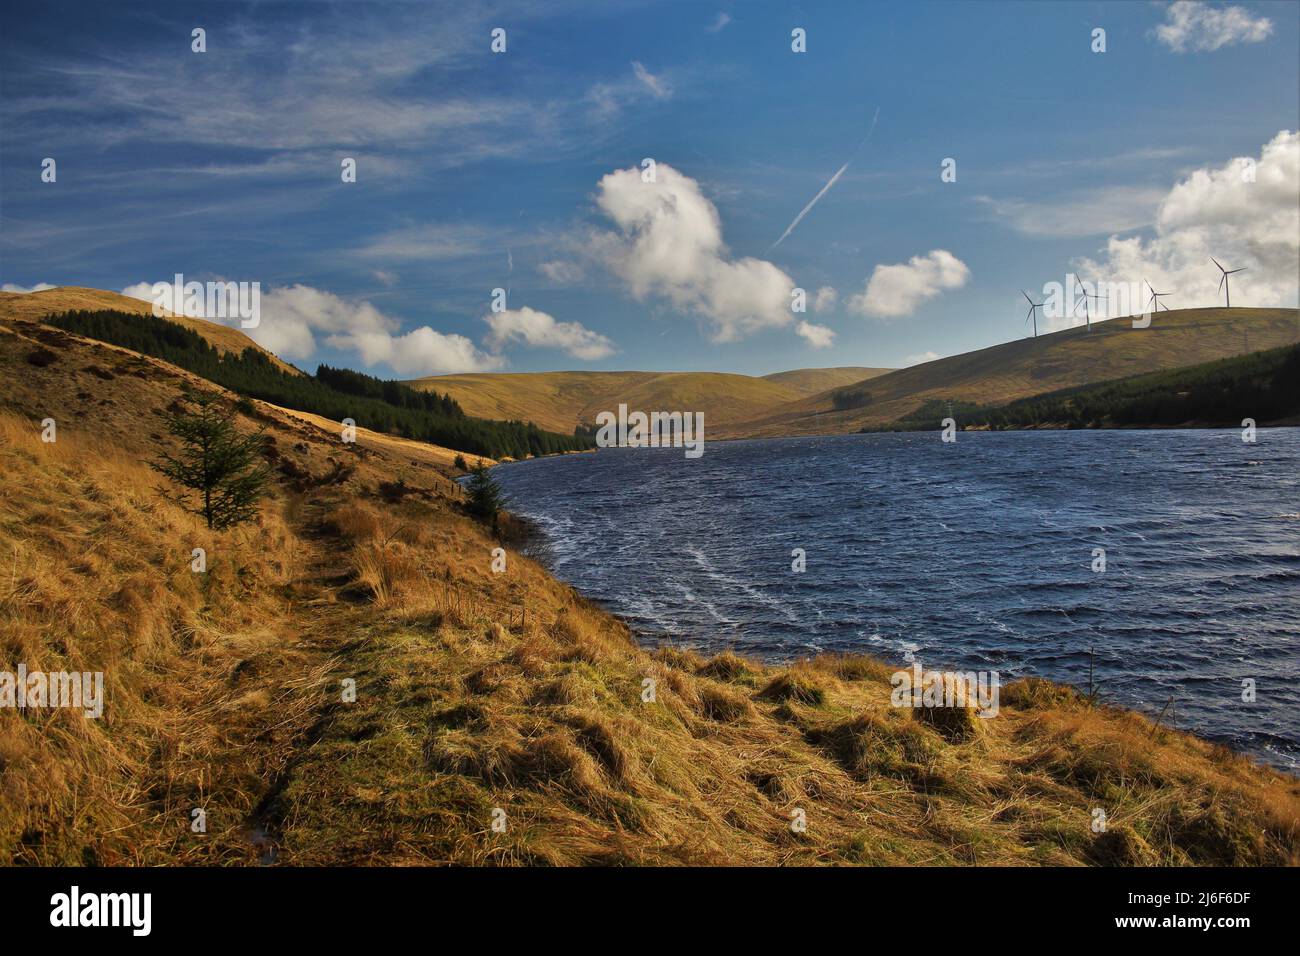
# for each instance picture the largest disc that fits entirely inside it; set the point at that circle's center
(221, 467)
(485, 497)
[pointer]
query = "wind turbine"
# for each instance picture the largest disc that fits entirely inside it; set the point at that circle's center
(1083, 290)
(1033, 311)
(1155, 298)
(1223, 282)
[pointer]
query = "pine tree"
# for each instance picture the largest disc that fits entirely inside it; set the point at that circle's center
(221, 466)
(485, 497)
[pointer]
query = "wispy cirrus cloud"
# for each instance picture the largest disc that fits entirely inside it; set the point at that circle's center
(432, 242)
(1094, 212)
(608, 99)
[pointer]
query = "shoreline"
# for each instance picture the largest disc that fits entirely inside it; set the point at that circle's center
(536, 546)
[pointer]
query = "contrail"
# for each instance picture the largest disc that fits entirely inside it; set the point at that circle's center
(831, 182)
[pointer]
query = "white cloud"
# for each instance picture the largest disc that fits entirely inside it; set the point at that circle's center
(818, 336)
(897, 290)
(293, 318)
(608, 99)
(657, 85)
(1091, 213)
(39, 287)
(539, 330)
(563, 272)
(825, 299)
(1196, 27)
(430, 242)
(421, 351)
(718, 24)
(669, 244)
(1217, 212)
(920, 358)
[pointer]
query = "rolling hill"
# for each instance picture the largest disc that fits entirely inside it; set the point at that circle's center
(811, 381)
(560, 401)
(1012, 370)
(33, 306)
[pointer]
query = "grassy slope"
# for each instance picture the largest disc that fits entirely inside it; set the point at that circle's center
(1002, 373)
(813, 381)
(559, 401)
(35, 305)
(479, 690)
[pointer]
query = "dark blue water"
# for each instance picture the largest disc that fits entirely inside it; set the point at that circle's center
(976, 554)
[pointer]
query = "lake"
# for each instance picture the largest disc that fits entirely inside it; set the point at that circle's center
(978, 554)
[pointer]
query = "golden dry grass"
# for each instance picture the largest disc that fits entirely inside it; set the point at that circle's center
(484, 698)
(559, 401)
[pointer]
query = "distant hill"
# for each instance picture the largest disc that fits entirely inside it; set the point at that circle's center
(560, 401)
(811, 381)
(33, 306)
(1261, 386)
(1031, 366)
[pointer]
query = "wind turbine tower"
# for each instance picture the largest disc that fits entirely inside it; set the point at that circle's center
(1033, 311)
(1223, 281)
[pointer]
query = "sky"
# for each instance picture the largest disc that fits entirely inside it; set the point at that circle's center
(911, 169)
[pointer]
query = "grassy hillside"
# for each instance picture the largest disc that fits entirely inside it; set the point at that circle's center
(560, 401)
(1263, 386)
(383, 406)
(479, 691)
(812, 381)
(34, 306)
(1031, 366)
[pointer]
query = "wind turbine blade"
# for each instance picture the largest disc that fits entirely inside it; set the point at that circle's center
(1216, 262)
(1222, 279)
(1235, 271)
(1026, 295)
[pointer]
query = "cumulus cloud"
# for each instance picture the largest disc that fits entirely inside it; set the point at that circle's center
(1194, 27)
(421, 351)
(295, 317)
(818, 336)
(897, 290)
(825, 299)
(539, 330)
(39, 287)
(1219, 212)
(669, 244)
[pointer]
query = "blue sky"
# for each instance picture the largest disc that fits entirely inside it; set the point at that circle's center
(479, 170)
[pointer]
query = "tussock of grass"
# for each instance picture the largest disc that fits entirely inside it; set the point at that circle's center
(730, 668)
(799, 684)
